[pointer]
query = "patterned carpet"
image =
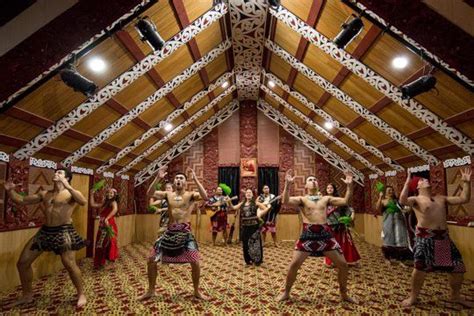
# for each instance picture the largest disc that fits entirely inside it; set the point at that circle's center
(238, 290)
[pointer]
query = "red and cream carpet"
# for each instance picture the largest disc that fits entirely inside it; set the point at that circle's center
(234, 289)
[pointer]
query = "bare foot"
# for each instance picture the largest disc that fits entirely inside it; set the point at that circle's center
(347, 298)
(409, 302)
(25, 299)
(462, 302)
(81, 301)
(199, 296)
(284, 296)
(148, 294)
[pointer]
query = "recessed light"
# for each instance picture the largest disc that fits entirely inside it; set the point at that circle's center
(96, 64)
(271, 84)
(225, 84)
(400, 62)
(328, 125)
(168, 127)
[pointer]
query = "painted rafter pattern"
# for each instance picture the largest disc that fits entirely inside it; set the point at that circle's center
(328, 118)
(179, 128)
(374, 79)
(248, 27)
(413, 42)
(147, 103)
(354, 105)
(121, 82)
(187, 142)
(171, 117)
(309, 140)
(320, 129)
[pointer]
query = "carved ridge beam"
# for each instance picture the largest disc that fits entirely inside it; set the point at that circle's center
(120, 83)
(172, 116)
(309, 141)
(147, 103)
(374, 79)
(352, 104)
(187, 142)
(179, 128)
(342, 129)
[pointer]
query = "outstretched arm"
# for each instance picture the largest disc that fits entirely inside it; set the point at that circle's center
(337, 201)
(152, 192)
(295, 201)
(466, 189)
(262, 209)
(112, 213)
(19, 199)
(202, 193)
(92, 202)
(76, 194)
(379, 204)
(404, 199)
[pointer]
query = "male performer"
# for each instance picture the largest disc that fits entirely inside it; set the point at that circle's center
(434, 250)
(270, 218)
(316, 238)
(219, 220)
(177, 244)
(57, 234)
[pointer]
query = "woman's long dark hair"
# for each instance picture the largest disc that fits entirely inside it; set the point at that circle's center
(108, 202)
(335, 193)
(395, 198)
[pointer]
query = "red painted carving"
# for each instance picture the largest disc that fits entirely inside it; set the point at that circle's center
(438, 179)
(130, 197)
(248, 138)
(211, 162)
(175, 166)
(367, 196)
(141, 198)
(322, 172)
(287, 149)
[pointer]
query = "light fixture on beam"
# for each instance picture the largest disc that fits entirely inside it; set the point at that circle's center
(328, 125)
(225, 84)
(96, 64)
(168, 126)
(75, 80)
(349, 31)
(420, 85)
(400, 62)
(147, 30)
(271, 84)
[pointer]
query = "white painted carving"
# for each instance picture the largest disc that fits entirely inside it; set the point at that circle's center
(457, 162)
(108, 174)
(374, 79)
(82, 170)
(419, 168)
(391, 173)
(187, 142)
(42, 163)
(125, 177)
(373, 176)
(124, 80)
(4, 157)
(308, 140)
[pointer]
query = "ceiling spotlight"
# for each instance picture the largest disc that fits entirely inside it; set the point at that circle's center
(328, 125)
(147, 30)
(400, 62)
(75, 80)
(349, 31)
(168, 127)
(225, 84)
(271, 83)
(96, 64)
(274, 3)
(420, 85)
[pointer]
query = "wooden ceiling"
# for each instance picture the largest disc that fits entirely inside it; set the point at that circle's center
(53, 99)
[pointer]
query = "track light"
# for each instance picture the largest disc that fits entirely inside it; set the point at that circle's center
(274, 3)
(147, 30)
(349, 31)
(75, 80)
(420, 85)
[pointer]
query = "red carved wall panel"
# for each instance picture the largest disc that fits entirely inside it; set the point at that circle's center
(211, 162)
(248, 139)
(287, 144)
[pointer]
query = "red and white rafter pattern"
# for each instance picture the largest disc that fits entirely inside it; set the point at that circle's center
(248, 27)
(308, 140)
(75, 52)
(347, 131)
(374, 79)
(152, 131)
(320, 129)
(179, 128)
(121, 82)
(187, 142)
(147, 103)
(414, 43)
(354, 105)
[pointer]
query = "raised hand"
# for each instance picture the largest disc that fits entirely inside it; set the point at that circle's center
(349, 177)
(466, 174)
(162, 172)
(9, 185)
(288, 177)
(63, 180)
(193, 174)
(408, 176)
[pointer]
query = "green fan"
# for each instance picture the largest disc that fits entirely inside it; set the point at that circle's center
(23, 194)
(109, 232)
(392, 207)
(152, 209)
(346, 220)
(98, 185)
(227, 190)
(379, 186)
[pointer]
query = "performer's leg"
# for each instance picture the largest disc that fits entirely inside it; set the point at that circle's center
(224, 233)
(214, 236)
(298, 258)
(196, 273)
(152, 272)
(25, 271)
(274, 237)
(68, 259)
(264, 237)
(417, 279)
(342, 273)
(455, 281)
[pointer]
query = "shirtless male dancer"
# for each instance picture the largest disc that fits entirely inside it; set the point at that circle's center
(57, 234)
(434, 250)
(177, 244)
(316, 238)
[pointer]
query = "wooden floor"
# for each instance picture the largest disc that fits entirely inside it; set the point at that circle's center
(239, 290)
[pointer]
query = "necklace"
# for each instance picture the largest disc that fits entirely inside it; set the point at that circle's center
(314, 198)
(178, 197)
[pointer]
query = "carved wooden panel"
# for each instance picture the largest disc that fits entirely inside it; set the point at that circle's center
(463, 214)
(194, 158)
(210, 161)
(17, 216)
(304, 166)
(248, 138)
(287, 144)
(3, 177)
(39, 179)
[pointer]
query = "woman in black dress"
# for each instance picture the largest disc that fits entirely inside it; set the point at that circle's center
(251, 213)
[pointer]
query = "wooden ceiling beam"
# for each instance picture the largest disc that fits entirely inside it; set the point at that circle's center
(269, 33)
(224, 24)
